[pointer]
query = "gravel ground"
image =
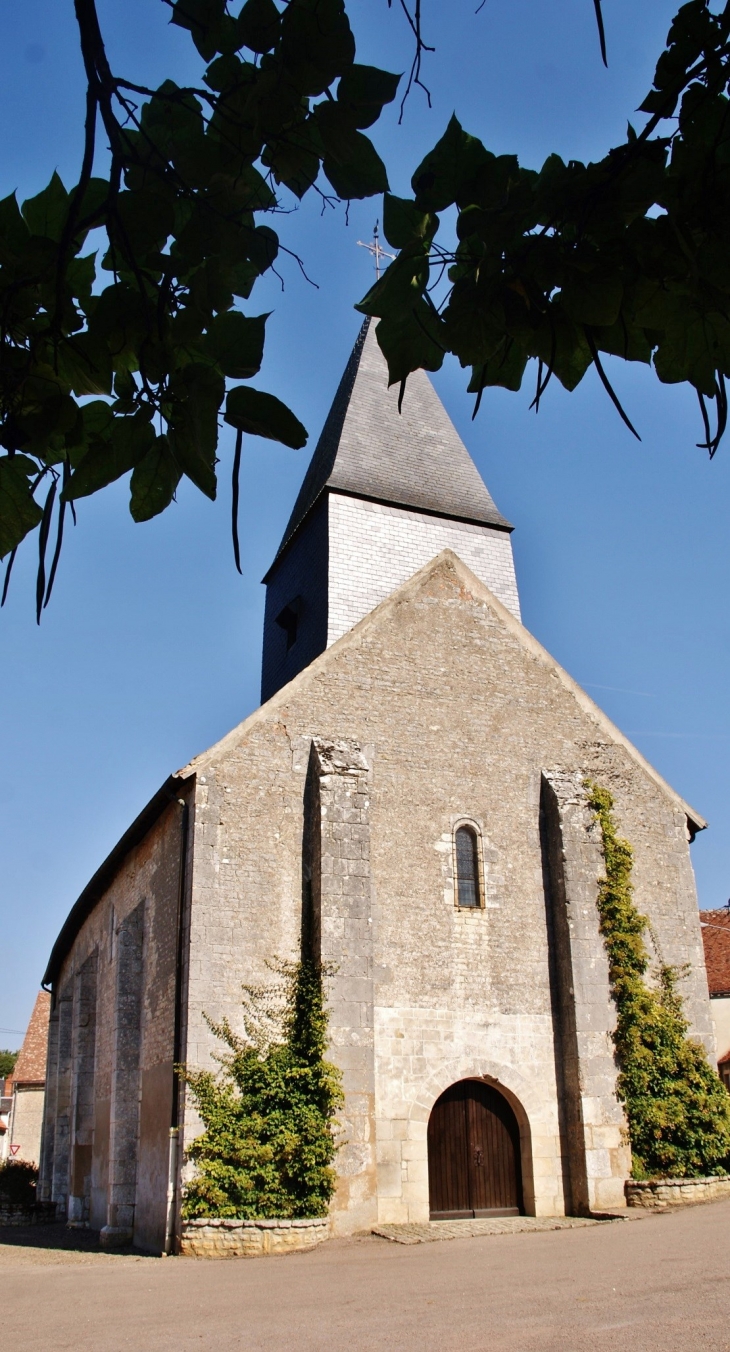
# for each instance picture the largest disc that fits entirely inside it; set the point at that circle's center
(659, 1286)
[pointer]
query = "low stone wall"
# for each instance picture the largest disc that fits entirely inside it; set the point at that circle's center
(206, 1237)
(659, 1193)
(41, 1214)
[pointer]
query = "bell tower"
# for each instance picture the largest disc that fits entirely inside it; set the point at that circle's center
(384, 493)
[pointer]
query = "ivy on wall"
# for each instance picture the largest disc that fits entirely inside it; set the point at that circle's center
(269, 1142)
(677, 1108)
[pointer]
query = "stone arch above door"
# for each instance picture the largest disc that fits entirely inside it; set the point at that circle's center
(515, 1088)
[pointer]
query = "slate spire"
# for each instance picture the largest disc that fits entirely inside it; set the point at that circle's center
(384, 493)
(414, 458)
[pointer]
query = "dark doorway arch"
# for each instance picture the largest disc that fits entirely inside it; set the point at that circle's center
(473, 1154)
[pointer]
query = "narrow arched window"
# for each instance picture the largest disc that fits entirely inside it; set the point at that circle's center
(467, 867)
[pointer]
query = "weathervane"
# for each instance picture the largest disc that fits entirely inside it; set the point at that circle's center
(376, 249)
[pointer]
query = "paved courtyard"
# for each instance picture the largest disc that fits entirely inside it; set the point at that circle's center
(661, 1283)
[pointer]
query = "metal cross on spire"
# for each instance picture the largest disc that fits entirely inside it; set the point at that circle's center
(376, 249)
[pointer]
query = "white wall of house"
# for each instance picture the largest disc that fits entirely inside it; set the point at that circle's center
(720, 1008)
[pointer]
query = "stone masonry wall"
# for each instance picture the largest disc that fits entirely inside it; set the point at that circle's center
(595, 1133)
(373, 549)
(142, 1110)
(127, 1057)
(463, 712)
(82, 1142)
(341, 898)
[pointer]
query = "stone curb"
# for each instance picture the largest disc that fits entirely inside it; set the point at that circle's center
(656, 1194)
(432, 1231)
(217, 1237)
(42, 1213)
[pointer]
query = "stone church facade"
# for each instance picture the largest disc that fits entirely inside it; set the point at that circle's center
(416, 774)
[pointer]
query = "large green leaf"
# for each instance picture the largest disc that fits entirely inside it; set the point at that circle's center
(592, 296)
(404, 221)
(453, 161)
(236, 343)
(93, 425)
(197, 392)
(262, 247)
(81, 275)
(194, 460)
(154, 481)
(86, 364)
(363, 91)
(263, 415)
(693, 349)
(411, 340)
(258, 25)
(317, 43)
(203, 19)
(128, 444)
(506, 368)
(474, 326)
(13, 229)
(19, 513)
(401, 286)
(362, 174)
(562, 346)
(351, 161)
(295, 156)
(122, 318)
(98, 419)
(294, 166)
(46, 214)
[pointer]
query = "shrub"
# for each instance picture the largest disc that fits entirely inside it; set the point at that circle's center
(17, 1183)
(268, 1146)
(7, 1061)
(677, 1108)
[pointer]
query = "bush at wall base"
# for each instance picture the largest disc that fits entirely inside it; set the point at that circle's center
(269, 1144)
(17, 1184)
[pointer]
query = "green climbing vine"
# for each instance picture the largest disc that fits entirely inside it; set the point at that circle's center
(677, 1108)
(269, 1142)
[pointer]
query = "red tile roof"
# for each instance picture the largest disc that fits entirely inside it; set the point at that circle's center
(716, 938)
(30, 1067)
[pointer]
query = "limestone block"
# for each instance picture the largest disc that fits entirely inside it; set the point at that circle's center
(658, 1194)
(392, 1211)
(214, 1238)
(390, 1182)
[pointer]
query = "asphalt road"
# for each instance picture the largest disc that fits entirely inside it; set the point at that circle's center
(660, 1283)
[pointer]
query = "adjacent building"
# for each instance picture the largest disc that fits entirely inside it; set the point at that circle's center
(716, 938)
(23, 1099)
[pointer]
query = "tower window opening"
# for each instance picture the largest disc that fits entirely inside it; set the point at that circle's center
(467, 868)
(288, 620)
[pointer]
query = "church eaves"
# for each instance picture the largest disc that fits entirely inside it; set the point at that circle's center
(414, 459)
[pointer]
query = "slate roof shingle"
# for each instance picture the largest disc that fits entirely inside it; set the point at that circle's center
(415, 458)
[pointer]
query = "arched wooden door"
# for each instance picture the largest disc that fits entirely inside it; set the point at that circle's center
(473, 1154)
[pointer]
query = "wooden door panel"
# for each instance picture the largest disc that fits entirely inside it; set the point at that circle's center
(494, 1151)
(473, 1153)
(448, 1163)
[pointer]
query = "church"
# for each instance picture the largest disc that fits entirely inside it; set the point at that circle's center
(416, 776)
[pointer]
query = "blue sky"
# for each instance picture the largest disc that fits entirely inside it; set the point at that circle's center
(150, 649)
